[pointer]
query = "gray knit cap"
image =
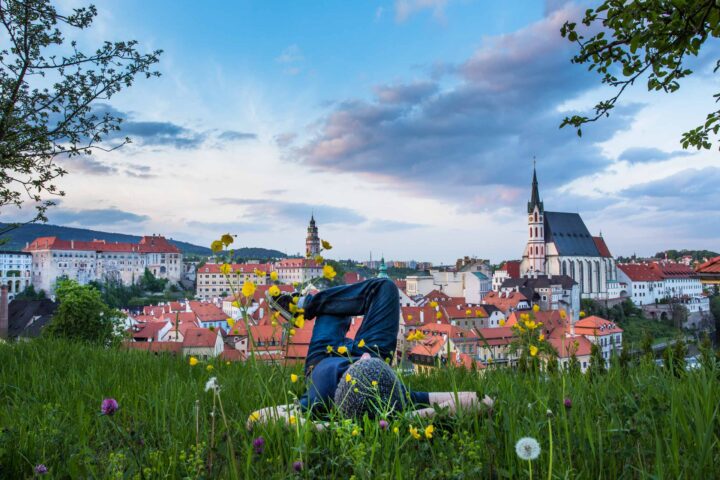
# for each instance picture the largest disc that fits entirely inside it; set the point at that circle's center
(359, 395)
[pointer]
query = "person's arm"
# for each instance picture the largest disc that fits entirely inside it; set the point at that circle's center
(282, 413)
(453, 401)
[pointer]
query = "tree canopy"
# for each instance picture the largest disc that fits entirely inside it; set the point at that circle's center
(626, 42)
(49, 94)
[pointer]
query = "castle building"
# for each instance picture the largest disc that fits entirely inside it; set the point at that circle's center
(312, 242)
(559, 243)
(85, 261)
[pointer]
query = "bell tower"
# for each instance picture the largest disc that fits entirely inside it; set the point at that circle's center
(536, 230)
(312, 241)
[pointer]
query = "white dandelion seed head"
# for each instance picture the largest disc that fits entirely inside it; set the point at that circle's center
(527, 448)
(212, 384)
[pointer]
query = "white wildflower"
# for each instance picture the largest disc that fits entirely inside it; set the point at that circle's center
(212, 384)
(527, 448)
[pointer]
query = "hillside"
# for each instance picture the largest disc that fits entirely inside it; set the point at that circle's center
(645, 423)
(18, 238)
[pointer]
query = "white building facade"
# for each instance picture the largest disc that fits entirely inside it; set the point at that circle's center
(15, 271)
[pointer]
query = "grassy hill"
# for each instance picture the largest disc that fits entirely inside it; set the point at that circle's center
(18, 238)
(644, 422)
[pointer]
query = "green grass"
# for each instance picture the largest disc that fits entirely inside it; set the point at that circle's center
(634, 328)
(644, 423)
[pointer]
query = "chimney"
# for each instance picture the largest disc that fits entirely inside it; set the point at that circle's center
(72, 244)
(4, 311)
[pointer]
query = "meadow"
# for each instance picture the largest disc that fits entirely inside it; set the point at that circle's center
(643, 421)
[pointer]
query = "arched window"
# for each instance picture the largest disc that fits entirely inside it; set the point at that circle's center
(536, 232)
(590, 276)
(581, 276)
(530, 232)
(536, 218)
(542, 250)
(597, 276)
(564, 268)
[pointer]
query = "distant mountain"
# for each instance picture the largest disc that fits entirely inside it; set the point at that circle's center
(18, 238)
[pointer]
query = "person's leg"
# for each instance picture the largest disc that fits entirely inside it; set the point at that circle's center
(328, 330)
(377, 299)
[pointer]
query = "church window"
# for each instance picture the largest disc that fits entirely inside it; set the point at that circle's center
(530, 232)
(582, 276)
(536, 250)
(597, 276)
(536, 234)
(564, 268)
(590, 276)
(542, 250)
(536, 217)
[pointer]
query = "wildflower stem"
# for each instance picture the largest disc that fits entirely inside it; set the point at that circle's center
(550, 461)
(231, 448)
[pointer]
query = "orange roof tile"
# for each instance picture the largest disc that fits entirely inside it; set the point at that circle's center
(199, 337)
(596, 326)
(712, 266)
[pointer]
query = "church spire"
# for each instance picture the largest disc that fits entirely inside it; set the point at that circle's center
(535, 195)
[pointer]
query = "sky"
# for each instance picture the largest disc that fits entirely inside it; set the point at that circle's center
(407, 127)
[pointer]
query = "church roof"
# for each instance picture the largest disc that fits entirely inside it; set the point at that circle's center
(570, 235)
(602, 247)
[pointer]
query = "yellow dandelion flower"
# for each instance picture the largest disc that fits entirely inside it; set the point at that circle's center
(209, 368)
(293, 378)
(273, 276)
(216, 246)
(438, 315)
(524, 317)
(292, 307)
(300, 321)
(563, 315)
(227, 239)
(414, 433)
(348, 378)
(409, 318)
(533, 350)
(319, 259)
(536, 308)
(230, 322)
(419, 335)
(329, 272)
(396, 430)
(254, 416)
(502, 322)
(248, 288)
(429, 431)
(541, 337)
(274, 323)
(227, 363)
(411, 337)
(355, 432)
(468, 312)
(274, 291)
(342, 350)
(236, 304)
(361, 343)
(292, 332)
(293, 420)
(582, 313)
(374, 383)
(489, 360)
(226, 269)
(329, 349)
(326, 245)
(193, 361)
(433, 304)
(295, 300)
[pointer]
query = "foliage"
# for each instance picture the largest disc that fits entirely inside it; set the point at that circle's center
(50, 94)
(529, 343)
(627, 41)
(30, 294)
(696, 255)
(632, 320)
(643, 424)
(679, 315)
(82, 315)
(597, 362)
(151, 283)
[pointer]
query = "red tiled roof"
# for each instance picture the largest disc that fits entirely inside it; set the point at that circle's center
(566, 345)
(232, 355)
(207, 312)
(199, 337)
(401, 284)
(297, 263)
(495, 336)
(711, 266)
(297, 351)
(156, 244)
(436, 295)
(265, 333)
(596, 326)
(640, 272)
(512, 267)
(602, 247)
(428, 347)
(147, 330)
(466, 361)
(420, 315)
(352, 277)
(673, 270)
(504, 300)
(236, 268)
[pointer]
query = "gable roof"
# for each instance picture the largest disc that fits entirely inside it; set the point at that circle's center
(640, 272)
(236, 268)
(504, 300)
(566, 345)
(570, 235)
(27, 318)
(596, 326)
(711, 266)
(199, 337)
(602, 247)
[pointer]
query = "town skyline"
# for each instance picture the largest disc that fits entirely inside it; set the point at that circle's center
(281, 123)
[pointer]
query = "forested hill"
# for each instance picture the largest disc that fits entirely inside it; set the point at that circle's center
(18, 238)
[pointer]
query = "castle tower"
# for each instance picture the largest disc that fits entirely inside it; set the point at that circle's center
(382, 271)
(536, 222)
(312, 241)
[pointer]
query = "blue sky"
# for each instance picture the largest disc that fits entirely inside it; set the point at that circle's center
(407, 126)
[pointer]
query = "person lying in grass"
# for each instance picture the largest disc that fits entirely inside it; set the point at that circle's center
(353, 376)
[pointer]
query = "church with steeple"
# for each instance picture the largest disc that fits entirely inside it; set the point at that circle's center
(312, 241)
(559, 243)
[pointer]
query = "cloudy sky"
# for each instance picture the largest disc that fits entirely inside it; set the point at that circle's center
(407, 126)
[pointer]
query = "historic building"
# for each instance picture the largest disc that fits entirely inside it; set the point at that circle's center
(559, 243)
(312, 242)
